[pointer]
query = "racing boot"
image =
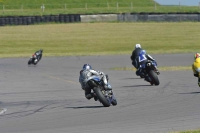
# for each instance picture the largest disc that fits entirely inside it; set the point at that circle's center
(140, 73)
(137, 72)
(147, 78)
(89, 96)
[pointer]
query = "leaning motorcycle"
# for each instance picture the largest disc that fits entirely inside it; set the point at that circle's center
(149, 70)
(33, 60)
(106, 97)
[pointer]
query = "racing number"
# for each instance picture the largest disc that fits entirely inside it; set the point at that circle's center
(142, 58)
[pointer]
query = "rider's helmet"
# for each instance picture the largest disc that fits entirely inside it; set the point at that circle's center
(41, 50)
(86, 67)
(137, 46)
(197, 55)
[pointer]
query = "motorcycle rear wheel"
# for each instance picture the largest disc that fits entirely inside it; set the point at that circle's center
(101, 97)
(154, 77)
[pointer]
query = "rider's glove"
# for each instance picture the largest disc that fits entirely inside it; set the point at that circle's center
(101, 73)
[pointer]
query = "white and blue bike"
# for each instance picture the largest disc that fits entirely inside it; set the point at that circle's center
(106, 97)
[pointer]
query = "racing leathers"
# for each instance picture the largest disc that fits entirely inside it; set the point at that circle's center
(37, 55)
(142, 59)
(196, 69)
(134, 57)
(86, 75)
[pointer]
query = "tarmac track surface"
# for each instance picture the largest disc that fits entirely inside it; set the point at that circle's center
(47, 98)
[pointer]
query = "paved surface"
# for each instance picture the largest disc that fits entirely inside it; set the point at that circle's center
(47, 98)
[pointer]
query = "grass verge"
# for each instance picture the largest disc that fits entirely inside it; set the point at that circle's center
(195, 131)
(191, 131)
(99, 38)
(33, 7)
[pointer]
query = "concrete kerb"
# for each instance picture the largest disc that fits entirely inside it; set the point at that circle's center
(99, 18)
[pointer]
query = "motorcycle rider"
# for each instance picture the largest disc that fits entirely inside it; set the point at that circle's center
(196, 67)
(135, 55)
(38, 55)
(142, 59)
(88, 72)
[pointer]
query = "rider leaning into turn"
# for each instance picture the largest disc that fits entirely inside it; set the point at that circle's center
(38, 54)
(88, 72)
(142, 59)
(135, 54)
(196, 67)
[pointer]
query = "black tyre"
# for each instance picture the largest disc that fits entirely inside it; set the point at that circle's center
(101, 97)
(30, 61)
(154, 77)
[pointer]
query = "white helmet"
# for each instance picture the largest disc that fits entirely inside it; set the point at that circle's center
(137, 46)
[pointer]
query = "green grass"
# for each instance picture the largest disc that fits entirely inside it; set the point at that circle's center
(75, 3)
(196, 131)
(32, 7)
(191, 131)
(99, 38)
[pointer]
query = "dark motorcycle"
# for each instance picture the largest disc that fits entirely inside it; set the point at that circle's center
(34, 60)
(106, 97)
(150, 72)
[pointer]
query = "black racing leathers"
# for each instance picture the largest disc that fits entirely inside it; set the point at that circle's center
(38, 55)
(134, 57)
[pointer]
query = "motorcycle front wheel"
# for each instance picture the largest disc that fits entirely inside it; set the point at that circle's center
(30, 61)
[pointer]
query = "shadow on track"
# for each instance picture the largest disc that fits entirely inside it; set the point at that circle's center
(130, 78)
(136, 85)
(198, 92)
(32, 65)
(86, 107)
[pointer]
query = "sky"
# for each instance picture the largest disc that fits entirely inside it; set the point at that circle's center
(176, 2)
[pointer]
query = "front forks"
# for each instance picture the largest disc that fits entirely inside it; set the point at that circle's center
(156, 70)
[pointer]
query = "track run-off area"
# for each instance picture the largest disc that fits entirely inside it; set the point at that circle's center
(47, 98)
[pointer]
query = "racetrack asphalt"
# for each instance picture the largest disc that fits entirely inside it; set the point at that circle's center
(47, 98)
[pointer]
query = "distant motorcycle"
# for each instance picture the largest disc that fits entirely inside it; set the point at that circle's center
(149, 72)
(106, 97)
(34, 60)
